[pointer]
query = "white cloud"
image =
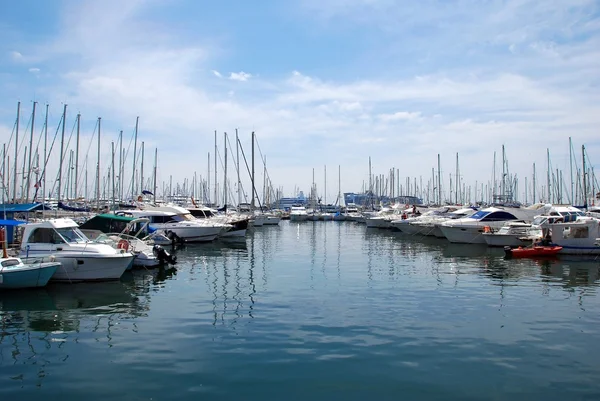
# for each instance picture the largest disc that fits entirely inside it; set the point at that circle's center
(399, 116)
(34, 70)
(240, 76)
(16, 56)
(469, 109)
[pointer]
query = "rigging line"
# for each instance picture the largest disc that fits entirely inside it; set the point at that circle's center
(250, 174)
(24, 141)
(50, 152)
(125, 159)
(37, 145)
(264, 164)
(12, 134)
(88, 150)
(236, 166)
(230, 191)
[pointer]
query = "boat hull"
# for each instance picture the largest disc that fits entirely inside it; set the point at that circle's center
(378, 223)
(27, 276)
(272, 221)
(502, 240)
(463, 235)
(81, 267)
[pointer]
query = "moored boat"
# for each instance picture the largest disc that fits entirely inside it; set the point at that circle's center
(15, 274)
(80, 258)
(533, 252)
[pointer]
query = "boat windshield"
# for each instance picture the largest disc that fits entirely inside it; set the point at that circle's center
(187, 217)
(72, 234)
(479, 215)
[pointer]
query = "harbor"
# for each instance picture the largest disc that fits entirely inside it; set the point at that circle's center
(312, 310)
(305, 200)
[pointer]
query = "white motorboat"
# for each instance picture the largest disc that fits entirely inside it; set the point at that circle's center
(457, 214)
(298, 213)
(271, 219)
(578, 237)
(80, 258)
(99, 227)
(469, 230)
(513, 234)
(184, 226)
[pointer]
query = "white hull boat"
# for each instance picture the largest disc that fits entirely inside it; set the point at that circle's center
(80, 258)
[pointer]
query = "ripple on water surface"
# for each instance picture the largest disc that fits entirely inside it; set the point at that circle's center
(315, 310)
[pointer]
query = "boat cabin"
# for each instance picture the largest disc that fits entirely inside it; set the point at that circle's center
(37, 236)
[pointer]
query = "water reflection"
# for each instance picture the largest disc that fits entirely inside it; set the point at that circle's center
(255, 296)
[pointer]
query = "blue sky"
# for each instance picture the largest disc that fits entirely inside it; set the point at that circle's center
(320, 82)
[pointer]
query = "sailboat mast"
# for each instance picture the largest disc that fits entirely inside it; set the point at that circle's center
(142, 170)
(457, 182)
(548, 175)
(265, 189)
(252, 175)
(208, 181)
(571, 170)
(30, 152)
(216, 193)
(135, 135)
(439, 181)
(77, 153)
(225, 173)
(237, 150)
(62, 145)
(98, 168)
(325, 188)
(45, 154)
(583, 175)
(339, 185)
(121, 178)
(154, 178)
(16, 151)
(503, 172)
(534, 183)
(112, 169)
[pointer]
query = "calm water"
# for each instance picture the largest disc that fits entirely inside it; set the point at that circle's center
(313, 311)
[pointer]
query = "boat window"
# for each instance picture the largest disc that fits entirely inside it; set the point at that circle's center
(479, 215)
(499, 216)
(576, 232)
(539, 220)
(187, 217)
(161, 219)
(71, 234)
(10, 262)
(44, 235)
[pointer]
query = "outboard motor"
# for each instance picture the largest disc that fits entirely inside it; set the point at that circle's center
(175, 239)
(163, 256)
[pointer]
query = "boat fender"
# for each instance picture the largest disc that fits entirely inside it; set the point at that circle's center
(123, 244)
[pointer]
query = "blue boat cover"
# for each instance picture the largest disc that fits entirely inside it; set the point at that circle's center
(11, 223)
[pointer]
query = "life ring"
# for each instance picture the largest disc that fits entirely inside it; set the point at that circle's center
(487, 229)
(123, 244)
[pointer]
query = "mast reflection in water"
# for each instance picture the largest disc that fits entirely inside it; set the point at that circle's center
(312, 310)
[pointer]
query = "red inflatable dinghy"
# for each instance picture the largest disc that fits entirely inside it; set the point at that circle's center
(533, 252)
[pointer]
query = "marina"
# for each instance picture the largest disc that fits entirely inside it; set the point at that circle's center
(306, 200)
(313, 310)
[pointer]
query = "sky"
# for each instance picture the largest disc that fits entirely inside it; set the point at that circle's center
(321, 83)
